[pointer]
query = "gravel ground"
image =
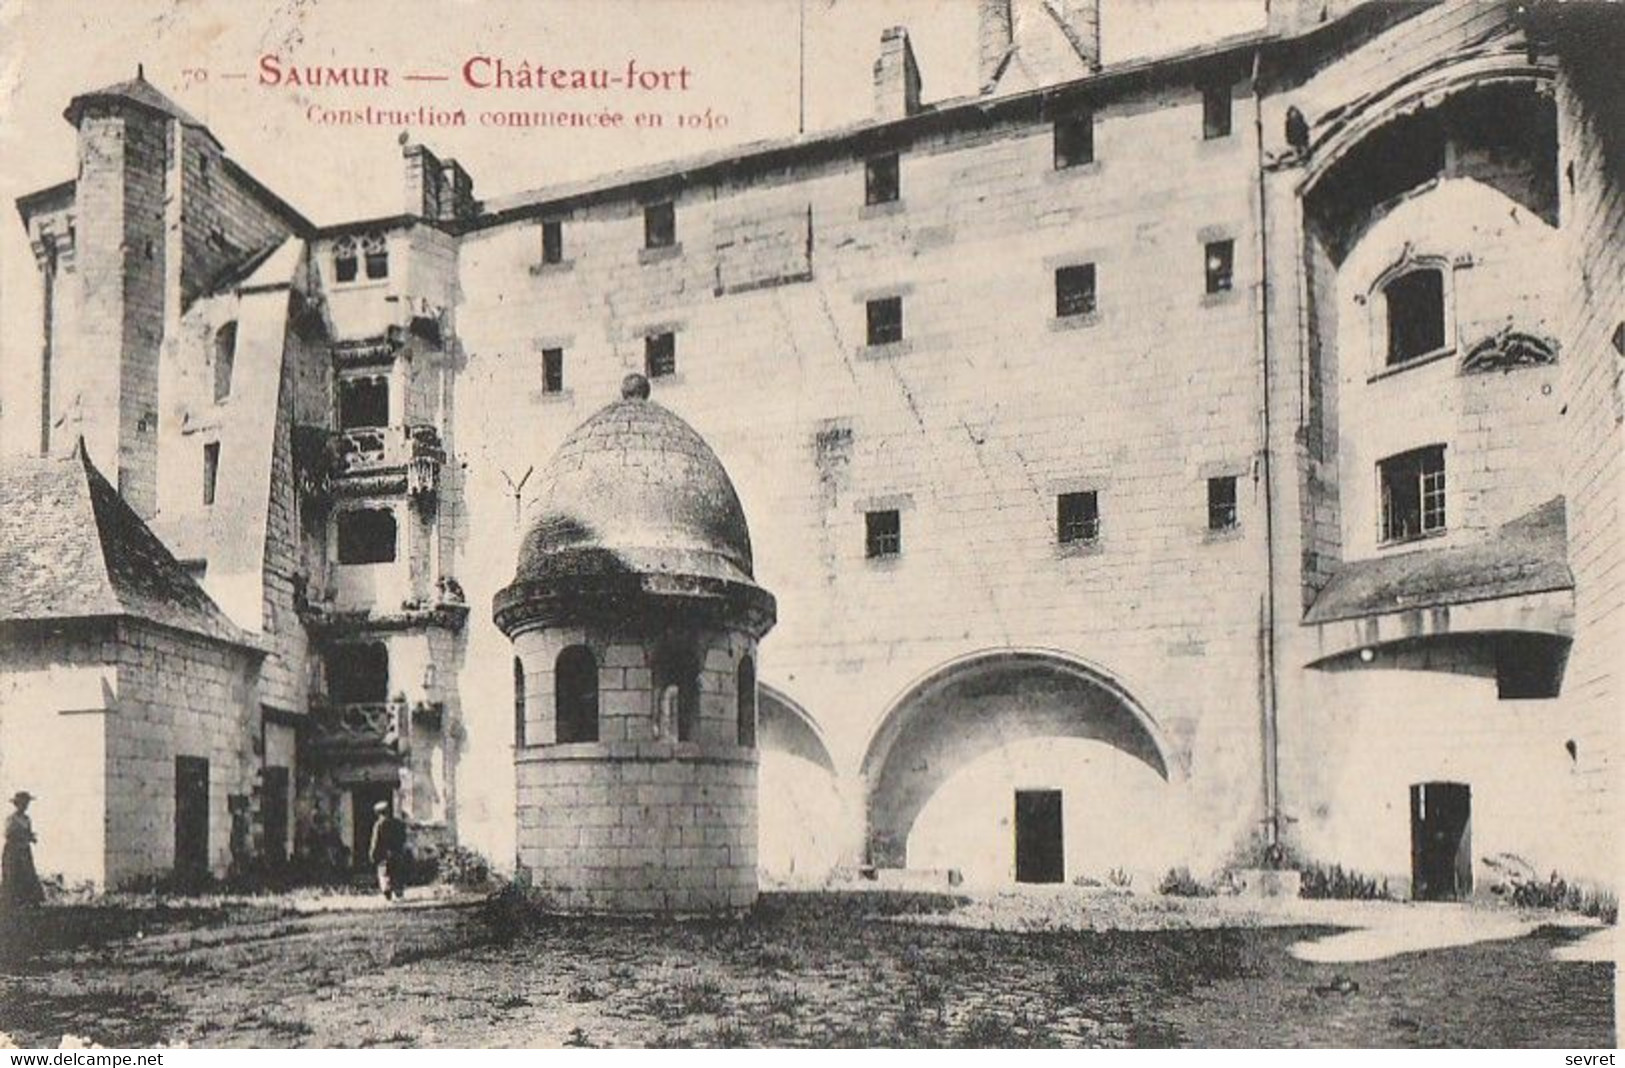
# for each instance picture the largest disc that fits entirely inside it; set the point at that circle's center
(825, 969)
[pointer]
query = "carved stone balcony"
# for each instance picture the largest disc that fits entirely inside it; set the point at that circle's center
(363, 731)
(373, 461)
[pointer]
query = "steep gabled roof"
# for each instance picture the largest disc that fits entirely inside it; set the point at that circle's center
(135, 91)
(71, 548)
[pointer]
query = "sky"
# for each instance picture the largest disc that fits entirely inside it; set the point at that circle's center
(742, 57)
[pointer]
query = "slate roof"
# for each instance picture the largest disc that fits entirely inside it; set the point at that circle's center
(1526, 555)
(71, 548)
(137, 91)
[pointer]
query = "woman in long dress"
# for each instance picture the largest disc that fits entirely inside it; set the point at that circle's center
(19, 882)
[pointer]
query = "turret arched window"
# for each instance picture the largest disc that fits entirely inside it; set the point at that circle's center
(747, 702)
(519, 740)
(575, 695)
(676, 693)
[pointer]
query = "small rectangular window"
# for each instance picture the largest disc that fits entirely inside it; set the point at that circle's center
(1413, 494)
(552, 370)
(1219, 259)
(1077, 518)
(660, 225)
(1221, 503)
(552, 241)
(660, 355)
(211, 470)
(225, 358)
(1216, 112)
(366, 536)
(1075, 290)
(1074, 140)
(881, 180)
(883, 533)
(357, 673)
(885, 320)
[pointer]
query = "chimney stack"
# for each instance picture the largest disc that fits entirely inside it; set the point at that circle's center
(436, 189)
(897, 77)
(995, 34)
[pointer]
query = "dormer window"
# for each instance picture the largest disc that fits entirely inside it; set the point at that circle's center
(1414, 302)
(345, 262)
(376, 252)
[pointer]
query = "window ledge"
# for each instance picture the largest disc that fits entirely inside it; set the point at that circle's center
(1222, 297)
(362, 283)
(881, 209)
(889, 562)
(1060, 173)
(1067, 549)
(1223, 534)
(658, 381)
(542, 270)
(1411, 364)
(1081, 321)
(647, 255)
(1412, 539)
(542, 396)
(887, 350)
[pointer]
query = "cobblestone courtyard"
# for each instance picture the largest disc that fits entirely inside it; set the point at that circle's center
(858, 969)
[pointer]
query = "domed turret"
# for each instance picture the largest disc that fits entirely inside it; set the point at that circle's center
(633, 503)
(635, 618)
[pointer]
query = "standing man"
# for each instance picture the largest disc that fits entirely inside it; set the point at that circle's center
(19, 882)
(388, 850)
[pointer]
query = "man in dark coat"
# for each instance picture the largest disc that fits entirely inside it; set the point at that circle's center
(388, 851)
(19, 882)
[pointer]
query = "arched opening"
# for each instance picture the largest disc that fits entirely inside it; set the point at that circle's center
(981, 705)
(745, 706)
(802, 818)
(677, 692)
(518, 703)
(575, 695)
(225, 357)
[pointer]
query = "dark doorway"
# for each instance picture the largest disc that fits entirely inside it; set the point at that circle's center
(191, 818)
(1039, 858)
(274, 814)
(1441, 841)
(362, 798)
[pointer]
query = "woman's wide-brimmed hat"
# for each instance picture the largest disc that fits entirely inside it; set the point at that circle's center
(20, 796)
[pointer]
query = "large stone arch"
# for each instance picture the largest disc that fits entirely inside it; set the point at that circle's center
(804, 817)
(980, 702)
(784, 726)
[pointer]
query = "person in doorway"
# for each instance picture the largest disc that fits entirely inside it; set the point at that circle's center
(19, 882)
(388, 851)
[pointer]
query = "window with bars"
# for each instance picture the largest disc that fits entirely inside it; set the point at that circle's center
(1075, 290)
(885, 320)
(1077, 518)
(881, 180)
(552, 370)
(1074, 140)
(882, 533)
(1413, 494)
(1221, 503)
(660, 355)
